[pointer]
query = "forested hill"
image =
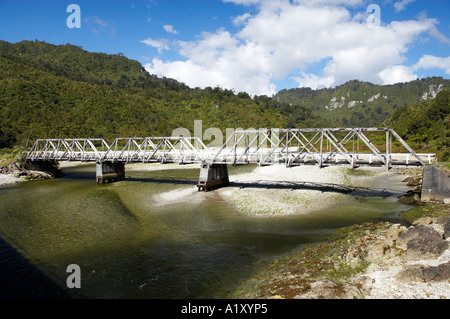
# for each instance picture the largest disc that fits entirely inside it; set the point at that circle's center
(362, 104)
(77, 64)
(49, 91)
(426, 125)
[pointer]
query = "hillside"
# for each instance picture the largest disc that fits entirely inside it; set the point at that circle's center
(49, 91)
(426, 125)
(77, 64)
(362, 104)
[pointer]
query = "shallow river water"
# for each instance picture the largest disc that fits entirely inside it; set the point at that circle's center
(139, 239)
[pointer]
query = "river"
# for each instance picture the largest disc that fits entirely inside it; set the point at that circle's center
(154, 236)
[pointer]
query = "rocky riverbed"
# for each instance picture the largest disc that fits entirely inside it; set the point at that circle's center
(370, 261)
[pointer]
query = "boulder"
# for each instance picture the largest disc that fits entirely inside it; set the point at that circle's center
(39, 175)
(414, 181)
(424, 220)
(421, 242)
(445, 222)
(419, 273)
(407, 199)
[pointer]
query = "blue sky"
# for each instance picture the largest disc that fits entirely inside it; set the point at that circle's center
(257, 46)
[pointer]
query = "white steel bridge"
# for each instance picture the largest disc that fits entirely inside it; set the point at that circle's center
(291, 147)
(352, 147)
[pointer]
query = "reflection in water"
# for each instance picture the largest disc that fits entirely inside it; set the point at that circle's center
(155, 236)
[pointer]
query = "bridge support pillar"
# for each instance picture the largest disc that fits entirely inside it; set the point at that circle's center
(212, 176)
(110, 171)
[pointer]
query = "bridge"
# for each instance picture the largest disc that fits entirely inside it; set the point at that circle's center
(351, 147)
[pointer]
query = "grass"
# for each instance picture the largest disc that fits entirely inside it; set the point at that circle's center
(7, 156)
(425, 210)
(444, 165)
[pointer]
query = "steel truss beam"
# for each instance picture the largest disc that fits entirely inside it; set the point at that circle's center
(291, 147)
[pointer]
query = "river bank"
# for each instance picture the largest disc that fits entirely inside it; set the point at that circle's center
(365, 261)
(16, 172)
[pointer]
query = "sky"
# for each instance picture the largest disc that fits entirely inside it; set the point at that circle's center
(254, 46)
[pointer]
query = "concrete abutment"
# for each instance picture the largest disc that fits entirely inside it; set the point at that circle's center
(48, 166)
(435, 185)
(213, 176)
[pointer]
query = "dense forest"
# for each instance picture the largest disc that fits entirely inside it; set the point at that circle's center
(426, 125)
(50, 91)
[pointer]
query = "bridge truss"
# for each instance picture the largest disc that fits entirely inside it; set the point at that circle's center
(352, 147)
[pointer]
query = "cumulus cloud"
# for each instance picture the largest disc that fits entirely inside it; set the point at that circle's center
(286, 38)
(433, 62)
(170, 29)
(397, 74)
(240, 20)
(401, 5)
(160, 45)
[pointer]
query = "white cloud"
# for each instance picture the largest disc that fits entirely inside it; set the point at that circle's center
(401, 73)
(99, 25)
(244, 2)
(401, 5)
(219, 59)
(242, 19)
(314, 82)
(160, 45)
(397, 74)
(432, 62)
(170, 29)
(288, 38)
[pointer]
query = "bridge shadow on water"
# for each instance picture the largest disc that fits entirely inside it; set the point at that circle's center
(261, 184)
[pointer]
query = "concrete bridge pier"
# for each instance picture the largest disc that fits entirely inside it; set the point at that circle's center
(212, 176)
(110, 171)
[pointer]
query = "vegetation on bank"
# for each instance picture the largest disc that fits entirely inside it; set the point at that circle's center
(425, 210)
(8, 156)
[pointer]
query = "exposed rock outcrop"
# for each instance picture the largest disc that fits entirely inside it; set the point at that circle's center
(27, 172)
(400, 261)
